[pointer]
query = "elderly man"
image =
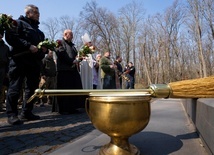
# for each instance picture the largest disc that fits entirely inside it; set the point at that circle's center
(68, 76)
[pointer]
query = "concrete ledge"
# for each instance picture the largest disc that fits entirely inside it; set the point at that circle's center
(205, 121)
(190, 107)
(201, 111)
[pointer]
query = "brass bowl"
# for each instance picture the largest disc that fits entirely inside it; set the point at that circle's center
(119, 117)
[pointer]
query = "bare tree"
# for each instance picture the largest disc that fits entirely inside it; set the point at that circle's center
(164, 47)
(207, 10)
(173, 19)
(100, 23)
(51, 26)
(208, 13)
(67, 22)
(195, 25)
(131, 17)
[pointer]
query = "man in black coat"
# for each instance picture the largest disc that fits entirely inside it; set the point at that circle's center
(68, 76)
(25, 63)
(119, 69)
(130, 73)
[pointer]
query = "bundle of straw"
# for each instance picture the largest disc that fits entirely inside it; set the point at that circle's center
(195, 88)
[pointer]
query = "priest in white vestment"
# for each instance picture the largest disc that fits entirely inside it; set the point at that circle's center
(87, 66)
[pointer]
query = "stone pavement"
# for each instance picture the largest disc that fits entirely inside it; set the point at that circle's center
(168, 132)
(43, 136)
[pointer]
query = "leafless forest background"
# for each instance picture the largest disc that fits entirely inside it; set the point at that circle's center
(175, 45)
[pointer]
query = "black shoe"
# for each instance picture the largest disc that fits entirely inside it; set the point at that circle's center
(42, 105)
(14, 120)
(75, 111)
(49, 103)
(70, 112)
(64, 113)
(29, 117)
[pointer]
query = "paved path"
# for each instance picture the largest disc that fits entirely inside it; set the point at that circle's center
(168, 132)
(42, 136)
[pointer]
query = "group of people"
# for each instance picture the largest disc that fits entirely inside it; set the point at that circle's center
(29, 65)
(105, 73)
(112, 73)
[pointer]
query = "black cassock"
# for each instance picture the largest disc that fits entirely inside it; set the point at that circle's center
(68, 77)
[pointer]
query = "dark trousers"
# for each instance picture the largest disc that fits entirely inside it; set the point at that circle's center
(94, 86)
(18, 75)
(130, 84)
(2, 87)
(50, 84)
(2, 76)
(121, 84)
(108, 82)
(67, 104)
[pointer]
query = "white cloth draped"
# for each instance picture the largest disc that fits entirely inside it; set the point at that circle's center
(88, 73)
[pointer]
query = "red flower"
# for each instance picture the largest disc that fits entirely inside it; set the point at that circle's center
(14, 23)
(58, 43)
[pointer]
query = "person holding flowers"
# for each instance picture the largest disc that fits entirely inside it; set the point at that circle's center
(89, 65)
(25, 64)
(68, 76)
